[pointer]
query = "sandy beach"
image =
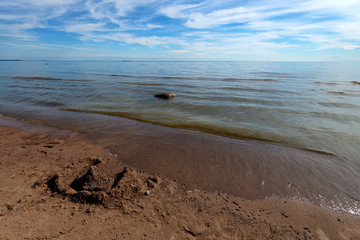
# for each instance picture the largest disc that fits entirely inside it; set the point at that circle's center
(65, 187)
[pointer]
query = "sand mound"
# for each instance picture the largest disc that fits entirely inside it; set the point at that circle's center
(97, 187)
(92, 180)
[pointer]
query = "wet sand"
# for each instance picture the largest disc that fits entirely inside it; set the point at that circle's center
(242, 167)
(60, 186)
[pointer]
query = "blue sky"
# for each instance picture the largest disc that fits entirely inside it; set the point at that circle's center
(307, 30)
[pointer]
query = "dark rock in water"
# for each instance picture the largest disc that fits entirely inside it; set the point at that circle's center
(166, 95)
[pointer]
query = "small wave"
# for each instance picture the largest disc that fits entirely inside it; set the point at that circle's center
(30, 87)
(147, 84)
(152, 77)
(231, 79)
(52, 79)
(121, 75)
(319, 152)
(201, 127)
(338, 93)
(194, 78)
(79, 80)
(277, 74)
(173, 77)
(38, 78)
(259, 90)
(47, 103)
(249, 79)
(350, 207)
(326, 83)
(339, 105)
(264, 79)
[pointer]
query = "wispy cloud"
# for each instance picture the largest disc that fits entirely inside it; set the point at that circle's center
(222, 28)
(178, 51)
(41, 46)
(177, 11)
(290, 21)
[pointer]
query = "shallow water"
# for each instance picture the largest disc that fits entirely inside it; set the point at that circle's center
(283, 129)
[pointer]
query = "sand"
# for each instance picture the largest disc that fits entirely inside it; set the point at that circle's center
(65, 187)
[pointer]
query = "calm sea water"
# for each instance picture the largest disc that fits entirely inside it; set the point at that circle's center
(301, 106)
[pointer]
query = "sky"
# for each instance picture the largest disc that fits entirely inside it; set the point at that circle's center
(208, 30)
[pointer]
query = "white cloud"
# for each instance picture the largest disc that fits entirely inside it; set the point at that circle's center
(221, 17)
(84, 27)
(112, 9)
(175, 11)
(178, 51)
(26, 15)
(49, 2)
(42, 46)
(217, 27)
(151, 26)
(150, 41)
(350, 47)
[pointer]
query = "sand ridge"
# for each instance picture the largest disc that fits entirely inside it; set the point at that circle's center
(65, 187)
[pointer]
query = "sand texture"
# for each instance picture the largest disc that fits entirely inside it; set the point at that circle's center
(65, 187)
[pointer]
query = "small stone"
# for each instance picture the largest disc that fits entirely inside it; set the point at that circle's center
(89, 211)
(147, 192)
(340, 220)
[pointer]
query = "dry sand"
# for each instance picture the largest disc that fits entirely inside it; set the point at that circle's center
(54, 187)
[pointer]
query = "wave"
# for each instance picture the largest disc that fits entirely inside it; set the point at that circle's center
(173, 77)
(249, 79)
(326, 83)
(319, 152)
(339, 105)
(52, 79)
(121, 75)
(226, 79)
(203, 127)
(142, 77)
(259, 90)
(47, 103)
(38, 78)
(277, 74)
(337, 93)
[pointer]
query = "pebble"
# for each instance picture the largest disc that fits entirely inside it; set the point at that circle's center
(340, 220)
(147, 192)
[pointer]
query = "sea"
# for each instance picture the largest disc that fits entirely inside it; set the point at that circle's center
(251, 129)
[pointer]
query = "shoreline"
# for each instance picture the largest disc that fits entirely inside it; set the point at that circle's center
(65, 210)
(206, 130)
(200, 160)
